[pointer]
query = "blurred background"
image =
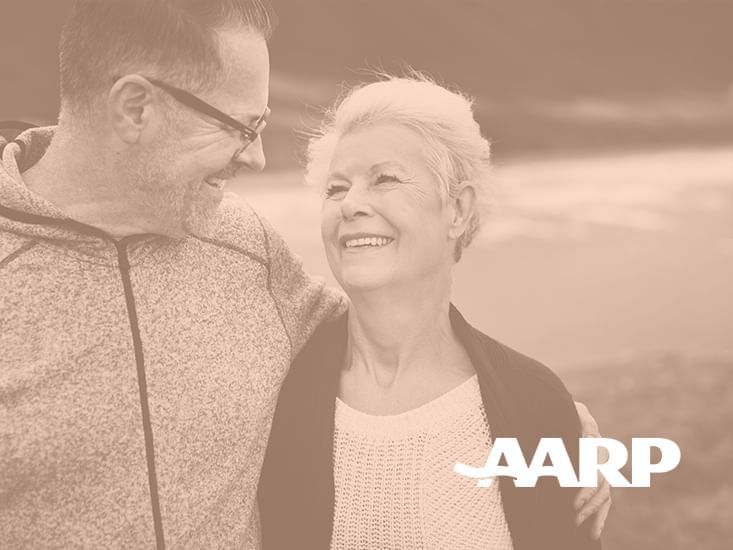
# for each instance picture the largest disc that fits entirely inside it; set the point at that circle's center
(607, 251)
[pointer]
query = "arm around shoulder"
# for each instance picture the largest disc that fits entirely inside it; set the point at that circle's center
(303, 301)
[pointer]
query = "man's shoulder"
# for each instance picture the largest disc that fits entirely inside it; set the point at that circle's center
(240, 229)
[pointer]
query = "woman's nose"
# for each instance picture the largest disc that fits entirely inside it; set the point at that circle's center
(356, 202)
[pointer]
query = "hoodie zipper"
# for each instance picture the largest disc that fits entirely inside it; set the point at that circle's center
(124, 264)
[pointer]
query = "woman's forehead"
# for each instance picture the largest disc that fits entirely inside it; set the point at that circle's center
(380, 146)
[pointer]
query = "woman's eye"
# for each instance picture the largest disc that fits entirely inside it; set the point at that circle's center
(387, 178)
(335, 190)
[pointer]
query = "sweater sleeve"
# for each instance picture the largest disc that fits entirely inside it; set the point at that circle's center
(302, 301)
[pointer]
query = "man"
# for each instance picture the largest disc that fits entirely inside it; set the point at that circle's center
(147, 321)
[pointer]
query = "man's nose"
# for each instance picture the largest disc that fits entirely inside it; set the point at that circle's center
(253, 156)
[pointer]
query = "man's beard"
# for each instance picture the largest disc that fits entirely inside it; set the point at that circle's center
(179, 208)
(200, 215)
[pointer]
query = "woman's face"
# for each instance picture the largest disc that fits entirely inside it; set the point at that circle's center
(383, 220)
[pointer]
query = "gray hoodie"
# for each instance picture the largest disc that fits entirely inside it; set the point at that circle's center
(138, 377)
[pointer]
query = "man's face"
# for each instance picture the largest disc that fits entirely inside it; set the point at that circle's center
(185, 177)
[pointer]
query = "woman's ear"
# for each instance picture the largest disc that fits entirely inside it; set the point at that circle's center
(131, 107)
(461, 208)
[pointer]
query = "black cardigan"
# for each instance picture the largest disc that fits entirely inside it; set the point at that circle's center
(522, 399)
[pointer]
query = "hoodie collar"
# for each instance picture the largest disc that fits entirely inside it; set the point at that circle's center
(25, 213)
(17, 156)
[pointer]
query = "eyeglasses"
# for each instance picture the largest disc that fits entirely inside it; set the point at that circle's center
(246, 134)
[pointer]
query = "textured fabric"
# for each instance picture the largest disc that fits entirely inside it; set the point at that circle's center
(394, 481)
(521, 398)
(220, 319)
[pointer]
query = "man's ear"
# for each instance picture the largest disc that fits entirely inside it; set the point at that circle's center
(461, 208)
(132, 107)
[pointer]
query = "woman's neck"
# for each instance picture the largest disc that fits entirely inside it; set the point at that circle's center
(402, 352)
(393, 334)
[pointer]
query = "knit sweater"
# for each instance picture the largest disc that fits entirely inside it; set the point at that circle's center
(138, 377)
(521, 398)
(394, 481)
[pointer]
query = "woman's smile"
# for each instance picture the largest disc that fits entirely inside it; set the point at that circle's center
(365, 241)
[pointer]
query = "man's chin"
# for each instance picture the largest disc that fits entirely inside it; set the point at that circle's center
(202, 223)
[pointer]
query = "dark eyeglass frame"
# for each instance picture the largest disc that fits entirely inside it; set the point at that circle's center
(247, 135)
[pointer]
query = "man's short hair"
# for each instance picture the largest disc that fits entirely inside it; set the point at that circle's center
(174, 40)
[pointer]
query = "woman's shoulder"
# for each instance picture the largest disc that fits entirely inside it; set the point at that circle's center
(320, 359)
(327, 340)
(527, 373)
(522, 385)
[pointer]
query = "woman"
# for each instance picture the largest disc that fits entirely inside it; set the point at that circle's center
(381, 404)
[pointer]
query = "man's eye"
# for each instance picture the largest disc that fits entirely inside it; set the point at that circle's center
(334, 190)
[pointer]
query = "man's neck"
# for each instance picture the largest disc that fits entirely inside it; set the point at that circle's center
(84, 183)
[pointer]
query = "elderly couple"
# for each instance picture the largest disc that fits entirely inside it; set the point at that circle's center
(170, 376)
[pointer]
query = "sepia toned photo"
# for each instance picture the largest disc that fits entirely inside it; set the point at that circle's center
(409, 274)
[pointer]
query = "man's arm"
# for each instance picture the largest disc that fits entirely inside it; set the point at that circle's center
(303, 302)
(592, 500)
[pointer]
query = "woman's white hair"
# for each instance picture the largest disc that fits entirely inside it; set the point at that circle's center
(456, 152)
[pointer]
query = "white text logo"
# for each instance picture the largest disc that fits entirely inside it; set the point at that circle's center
(560, 467)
